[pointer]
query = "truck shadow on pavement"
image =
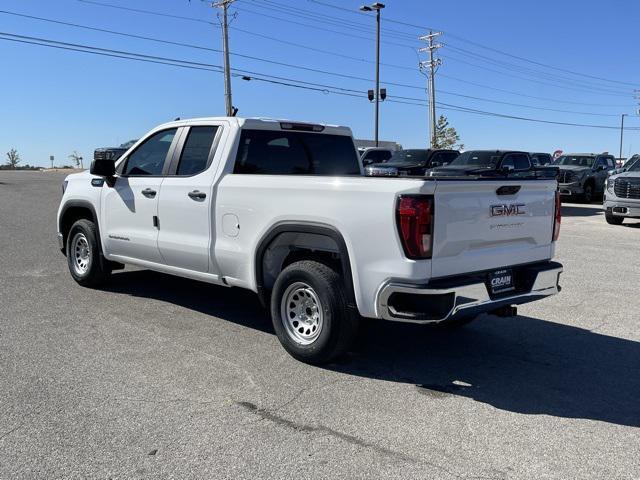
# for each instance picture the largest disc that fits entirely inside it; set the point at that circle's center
(569, 210)
(524, 365)
(231, 304)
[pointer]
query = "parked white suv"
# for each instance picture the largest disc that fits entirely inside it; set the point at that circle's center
(282, 208)
(622, 195)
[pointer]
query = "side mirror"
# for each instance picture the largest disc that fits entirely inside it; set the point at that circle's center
(103, 167)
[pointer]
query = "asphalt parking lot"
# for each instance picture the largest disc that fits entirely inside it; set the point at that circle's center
(161, 377)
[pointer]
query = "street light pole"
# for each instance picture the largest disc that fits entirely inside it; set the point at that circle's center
(377, 7)
(377, 72)
(621, 133)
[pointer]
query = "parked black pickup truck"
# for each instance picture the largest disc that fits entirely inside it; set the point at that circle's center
(411, 162)
(485, 163)
(582, 175)
(112, 153)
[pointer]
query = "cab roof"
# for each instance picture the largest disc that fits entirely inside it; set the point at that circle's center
(261, 123)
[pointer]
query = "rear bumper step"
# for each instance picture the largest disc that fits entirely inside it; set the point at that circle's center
(439, 301)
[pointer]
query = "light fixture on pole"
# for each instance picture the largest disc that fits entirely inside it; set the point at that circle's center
(371, 8)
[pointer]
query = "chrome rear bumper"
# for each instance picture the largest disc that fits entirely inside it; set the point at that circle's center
(464, 296)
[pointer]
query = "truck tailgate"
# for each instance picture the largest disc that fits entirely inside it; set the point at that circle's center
(489, 224)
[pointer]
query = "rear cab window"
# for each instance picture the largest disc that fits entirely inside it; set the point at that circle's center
(273, 152)
(519, 161)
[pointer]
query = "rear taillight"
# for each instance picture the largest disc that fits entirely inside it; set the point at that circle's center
(415, 225)
(557, 217)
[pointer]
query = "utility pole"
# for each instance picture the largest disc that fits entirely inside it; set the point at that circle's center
(224, 4)
(432, 64)
(369, 8)
(621, 133)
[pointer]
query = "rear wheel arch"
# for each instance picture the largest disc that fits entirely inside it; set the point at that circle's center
(289, 242)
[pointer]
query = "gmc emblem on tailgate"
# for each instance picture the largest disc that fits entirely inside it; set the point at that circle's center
(508, 210)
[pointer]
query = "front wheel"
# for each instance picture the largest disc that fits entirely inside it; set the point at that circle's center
(310, 313)
(613, 220)
(86, 265)
(587, 196)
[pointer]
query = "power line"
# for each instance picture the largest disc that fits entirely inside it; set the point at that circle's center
(479, 45)
(148, 12)
(578, 85)
(317, 17)
(529, 71)
(249, 75)
(311, 48)
(248, 32)
(548, 99)
(300, 67)
(542, 82)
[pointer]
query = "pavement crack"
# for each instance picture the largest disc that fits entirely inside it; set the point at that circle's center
(6, 434)
(271, 416)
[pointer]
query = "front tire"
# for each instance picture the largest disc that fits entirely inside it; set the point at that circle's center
(587, 196)
(310, 313)
(613, 220)
(86, 265)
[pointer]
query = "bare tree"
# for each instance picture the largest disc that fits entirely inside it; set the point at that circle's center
(77, 159)
(13, 158)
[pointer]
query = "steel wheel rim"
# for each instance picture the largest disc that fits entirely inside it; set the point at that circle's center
(81, 253)
(301, 313)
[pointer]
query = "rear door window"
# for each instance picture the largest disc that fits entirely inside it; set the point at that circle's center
(197, 147)
(272, 152)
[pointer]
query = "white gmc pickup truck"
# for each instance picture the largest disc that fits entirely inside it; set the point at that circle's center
(282, 208)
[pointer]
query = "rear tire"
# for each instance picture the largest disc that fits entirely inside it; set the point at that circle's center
(310, 313)
(613, 220)
(86, 264)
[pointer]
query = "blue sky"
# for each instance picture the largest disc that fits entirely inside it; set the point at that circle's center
(56, 101)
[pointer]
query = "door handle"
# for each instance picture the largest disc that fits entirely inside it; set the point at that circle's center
(149, 192)
(197, 195)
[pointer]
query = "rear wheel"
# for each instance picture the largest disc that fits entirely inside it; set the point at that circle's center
(613, 220)
(86, 265)
(310, 313)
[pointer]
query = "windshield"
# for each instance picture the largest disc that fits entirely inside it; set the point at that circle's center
(632, 162)
(635, 167)
(409, 156)
(476, 159)
(575, 160)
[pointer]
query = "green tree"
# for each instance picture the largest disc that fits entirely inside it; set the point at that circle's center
(13, 158)
(446, 136)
